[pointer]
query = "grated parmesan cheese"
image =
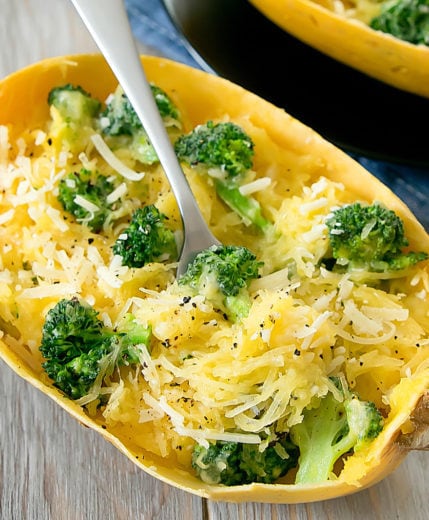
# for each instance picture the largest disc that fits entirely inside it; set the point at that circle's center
(57, 218)
(6, 216)
(116, 194)
(255, 186)
(85, 204)
(113, 161)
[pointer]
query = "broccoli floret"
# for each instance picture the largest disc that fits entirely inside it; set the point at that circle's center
(84, 194)
(222, 274)
(119, 117)
(75, 114)
(79, 349)
(147, 239)
(123, 129)
(225, 152)
(407, 20)
(74, 103)
(222, 146)
(234, 463)
(330, 430)
(168, 110)
(369, 237)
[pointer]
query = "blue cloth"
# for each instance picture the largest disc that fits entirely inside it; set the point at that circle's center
(153, 27)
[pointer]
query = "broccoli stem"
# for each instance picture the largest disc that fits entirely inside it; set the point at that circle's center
(331, 430)
(316, 437)
(247, 207)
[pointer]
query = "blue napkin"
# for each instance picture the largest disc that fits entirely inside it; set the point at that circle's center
(153, 27)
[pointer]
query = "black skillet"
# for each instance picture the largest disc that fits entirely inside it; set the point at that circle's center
(354, 111)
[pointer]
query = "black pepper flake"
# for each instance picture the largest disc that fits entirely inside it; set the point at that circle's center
(297, 352)
(49, 141)
(166, 343)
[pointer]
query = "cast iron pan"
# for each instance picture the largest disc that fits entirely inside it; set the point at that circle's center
(359, 114)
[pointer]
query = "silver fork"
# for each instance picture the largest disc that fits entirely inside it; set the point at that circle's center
(108, 23)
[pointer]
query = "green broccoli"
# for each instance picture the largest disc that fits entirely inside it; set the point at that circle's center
(369, 237)
(84, 195)
(330, 430)
(79, 349)
(233, 463)
(222, 274)
(407, 20)
(222, 146)
(147, 239)
(76, 113)
(74, 103)
(225, 152)
(123, 129)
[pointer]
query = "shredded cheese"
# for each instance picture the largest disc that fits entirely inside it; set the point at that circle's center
(113, 161)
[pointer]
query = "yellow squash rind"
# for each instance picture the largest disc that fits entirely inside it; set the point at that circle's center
(23, 104)
(377, 54)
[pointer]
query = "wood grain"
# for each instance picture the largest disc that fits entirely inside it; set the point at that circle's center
(51, 467)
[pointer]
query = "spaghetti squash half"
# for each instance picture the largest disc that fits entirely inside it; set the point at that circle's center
(198, 378)
(343, 31)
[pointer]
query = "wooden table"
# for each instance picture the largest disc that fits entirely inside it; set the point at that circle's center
(53, 468)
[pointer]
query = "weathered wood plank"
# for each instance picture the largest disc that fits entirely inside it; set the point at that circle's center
(400, 496)
(53, 468)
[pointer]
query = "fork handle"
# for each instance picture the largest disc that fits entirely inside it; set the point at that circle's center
(101, 17)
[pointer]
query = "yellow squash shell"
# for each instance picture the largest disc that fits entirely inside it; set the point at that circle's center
(23, 105)
(398, 63)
